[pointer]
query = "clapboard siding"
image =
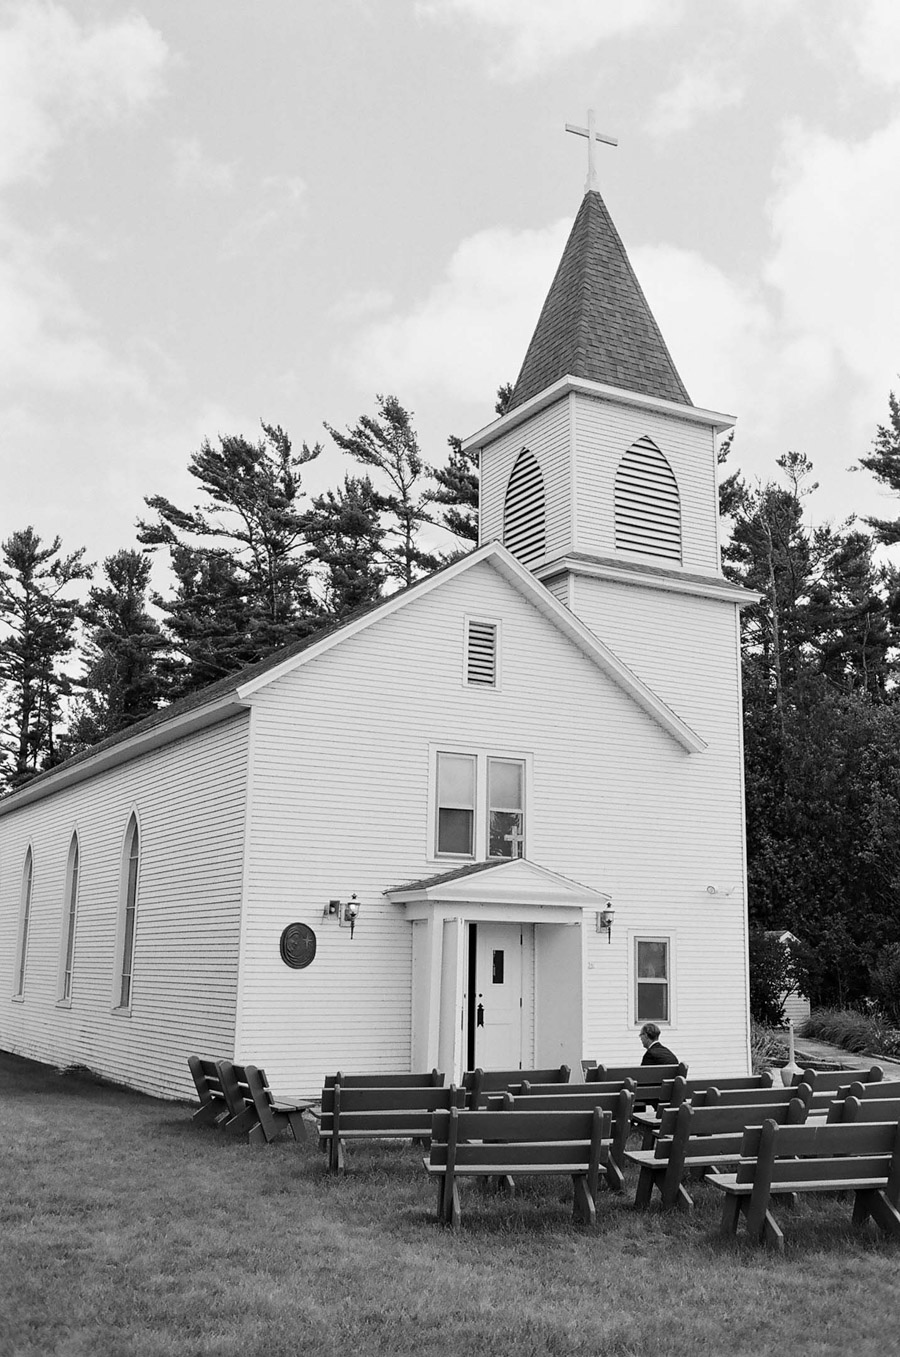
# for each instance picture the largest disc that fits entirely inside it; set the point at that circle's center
(547, 437)
(604, 432)
(340, 802)
(190, 803)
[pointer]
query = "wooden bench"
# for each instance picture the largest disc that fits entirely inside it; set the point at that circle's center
(273, 1115)
(863, 1158)
(829, 1081)
(606, 1086)
(242, 1116)
(696, 1090)
(885, 1088)
(421, 1079)
(385, 1113)
(570, 1098)
(854, 1108)
(699, 1138)
(468, 1143)
(652, 1083)
(213, 1109)
(479, 1083)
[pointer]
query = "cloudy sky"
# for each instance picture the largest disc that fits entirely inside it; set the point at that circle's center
(220, 211)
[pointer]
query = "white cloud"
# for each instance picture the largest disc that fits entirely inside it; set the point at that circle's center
(281, 202)
(361, 304)
(193, 168)
(530, 35)
(872, 31)
(470, 332)
(56, 75)
(704, 88)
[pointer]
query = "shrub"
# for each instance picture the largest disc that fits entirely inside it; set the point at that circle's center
(771, 976)
(862, 1033)
(767, 1048)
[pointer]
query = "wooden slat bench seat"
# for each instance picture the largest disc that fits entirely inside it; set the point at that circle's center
(619, 1105)
(467, 1143)
(213, 1109)
(692, 1138)
(479, 1083)
(273, 1115)
(862, 1157)
(386, 1113)
(762, 1098)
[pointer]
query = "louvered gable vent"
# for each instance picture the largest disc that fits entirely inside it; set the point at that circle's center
(523, 510)
(648, 507)
(481, 654)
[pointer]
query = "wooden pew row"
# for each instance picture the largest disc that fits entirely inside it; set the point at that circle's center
(862, 1158)
(473, 1143)
(385, 1113)
(695, 1138)
(480, 1084)
(619, 1105)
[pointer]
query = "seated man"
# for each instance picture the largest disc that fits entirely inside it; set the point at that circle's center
(654, 1051)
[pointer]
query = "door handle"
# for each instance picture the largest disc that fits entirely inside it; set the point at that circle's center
(479, 1016)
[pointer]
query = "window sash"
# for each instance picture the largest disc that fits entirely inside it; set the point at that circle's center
(456, 794)
(27, 885)
(479, 805)
(70, 924)
(652, 990)
(128, 917)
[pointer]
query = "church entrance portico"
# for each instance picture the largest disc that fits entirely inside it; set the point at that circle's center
(498, 966)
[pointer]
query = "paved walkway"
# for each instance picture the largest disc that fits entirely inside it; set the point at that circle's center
(849, 1060)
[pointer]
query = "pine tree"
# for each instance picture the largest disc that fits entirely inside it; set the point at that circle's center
(388, 444)
(124, 645)
(345, 537)
(38, 619)
(239, 557)
(458, 490)
(884, 463)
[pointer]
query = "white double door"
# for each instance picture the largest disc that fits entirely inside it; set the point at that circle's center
(499, 995)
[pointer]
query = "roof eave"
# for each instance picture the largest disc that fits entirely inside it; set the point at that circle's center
(693, 414)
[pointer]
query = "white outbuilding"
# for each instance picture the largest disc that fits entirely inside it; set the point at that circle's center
(496, 819)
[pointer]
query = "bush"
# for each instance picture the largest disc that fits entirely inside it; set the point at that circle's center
(862, 1033)
(771, 976)
(767, 1048)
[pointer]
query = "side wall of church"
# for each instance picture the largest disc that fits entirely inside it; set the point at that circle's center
(688, 650)
(343, 801)
(189, 799)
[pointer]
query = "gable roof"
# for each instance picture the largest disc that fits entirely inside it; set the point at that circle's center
(596, 323)
(505, 881)
(233, 694)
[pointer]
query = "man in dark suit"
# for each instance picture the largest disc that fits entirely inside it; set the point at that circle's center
(654, 1051)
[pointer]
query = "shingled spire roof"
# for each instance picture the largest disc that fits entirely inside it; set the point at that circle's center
(596, 323)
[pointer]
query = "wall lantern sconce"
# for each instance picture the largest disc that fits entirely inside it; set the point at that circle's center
(345, 911)
(605, 918)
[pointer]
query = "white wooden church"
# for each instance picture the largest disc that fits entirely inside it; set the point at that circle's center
(496, 820)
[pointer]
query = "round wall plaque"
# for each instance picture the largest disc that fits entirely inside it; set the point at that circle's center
(298, 946)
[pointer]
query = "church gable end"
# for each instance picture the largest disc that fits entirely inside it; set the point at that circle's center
(647, 503)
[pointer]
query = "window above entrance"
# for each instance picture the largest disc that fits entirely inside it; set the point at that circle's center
(479, 805)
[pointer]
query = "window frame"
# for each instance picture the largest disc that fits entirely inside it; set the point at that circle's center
(69, 922)
(482, 757)
(667, 937)
(126, 928)
(26, 898)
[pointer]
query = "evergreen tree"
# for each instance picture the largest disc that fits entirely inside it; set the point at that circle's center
(239, 557)
(884, 463)
(345, 536)
(388, 444)
(458, 490)
(124, 645)
(37, 620)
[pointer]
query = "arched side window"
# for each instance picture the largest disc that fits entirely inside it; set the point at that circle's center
(524, 515)
(647, 503)
(70, 904)
(24, 918)
(131, 860)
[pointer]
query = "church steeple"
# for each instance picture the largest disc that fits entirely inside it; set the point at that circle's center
(595, 323)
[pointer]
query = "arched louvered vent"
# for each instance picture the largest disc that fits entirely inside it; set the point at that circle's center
(648, 507)
(523, 511)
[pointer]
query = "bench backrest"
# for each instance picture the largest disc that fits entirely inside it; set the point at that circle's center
(428, 1079)
(853, 1108)
(830, 1153)
(234, 1086)
(258, 1086)
(822, 1080)
(512, 1140)
(528, 1090)
(564, 1101)
(717, 1130)
(395, 1111)
(756, 1097)
(206, 1080)
(696, 1089)
(883, 1088)
(641, 1074)
(479, 1083)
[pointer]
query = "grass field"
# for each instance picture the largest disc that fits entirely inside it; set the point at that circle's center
(128, 1232)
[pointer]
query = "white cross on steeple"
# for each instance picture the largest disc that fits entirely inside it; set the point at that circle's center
(592, 181)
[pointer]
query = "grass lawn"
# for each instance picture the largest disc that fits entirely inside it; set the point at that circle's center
(128, 1232)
